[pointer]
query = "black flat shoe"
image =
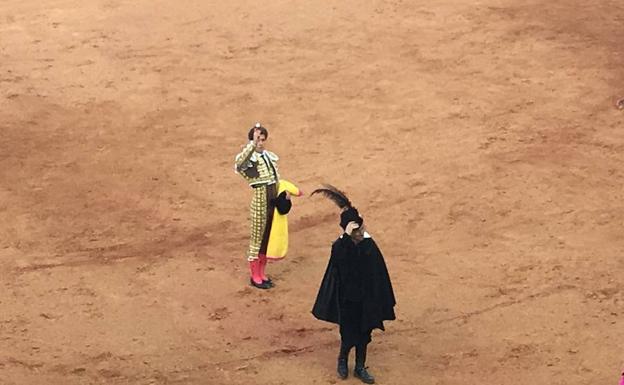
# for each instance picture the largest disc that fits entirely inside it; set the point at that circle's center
(343, 369)
(364, 376)
(268, 282)
(259, 285)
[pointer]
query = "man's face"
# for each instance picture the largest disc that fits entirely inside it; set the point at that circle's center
(260, 143)
(358, 234)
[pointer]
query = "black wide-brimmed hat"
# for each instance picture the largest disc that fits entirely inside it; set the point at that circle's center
(349, 213)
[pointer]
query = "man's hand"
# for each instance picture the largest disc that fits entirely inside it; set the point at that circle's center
(350, 227)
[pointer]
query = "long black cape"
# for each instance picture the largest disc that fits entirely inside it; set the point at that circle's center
(377, 295)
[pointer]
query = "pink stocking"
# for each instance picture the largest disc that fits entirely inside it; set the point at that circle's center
(262, 263)
(254, 266)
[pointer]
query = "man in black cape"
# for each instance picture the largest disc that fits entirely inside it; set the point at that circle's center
(356, 292)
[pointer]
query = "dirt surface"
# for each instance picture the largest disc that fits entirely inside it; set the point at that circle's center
(480, 140)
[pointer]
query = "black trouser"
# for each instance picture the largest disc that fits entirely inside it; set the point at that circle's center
(351, 333)
(360, 354)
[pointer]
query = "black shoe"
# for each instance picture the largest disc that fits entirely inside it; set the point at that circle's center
(259, 285)
(343, 369)
(364, 376)
(268, 282)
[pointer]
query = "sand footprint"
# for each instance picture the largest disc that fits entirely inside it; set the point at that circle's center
(219, 314)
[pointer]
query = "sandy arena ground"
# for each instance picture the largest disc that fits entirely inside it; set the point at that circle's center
(480, 139)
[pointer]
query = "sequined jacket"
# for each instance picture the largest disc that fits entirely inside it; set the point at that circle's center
(257, 168)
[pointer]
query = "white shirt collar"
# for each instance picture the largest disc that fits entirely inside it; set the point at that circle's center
(268, 154)
(366, 235)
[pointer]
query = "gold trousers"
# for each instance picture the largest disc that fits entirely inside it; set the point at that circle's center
(261, 217)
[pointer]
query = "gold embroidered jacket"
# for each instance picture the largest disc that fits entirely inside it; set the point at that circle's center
(257, 168)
